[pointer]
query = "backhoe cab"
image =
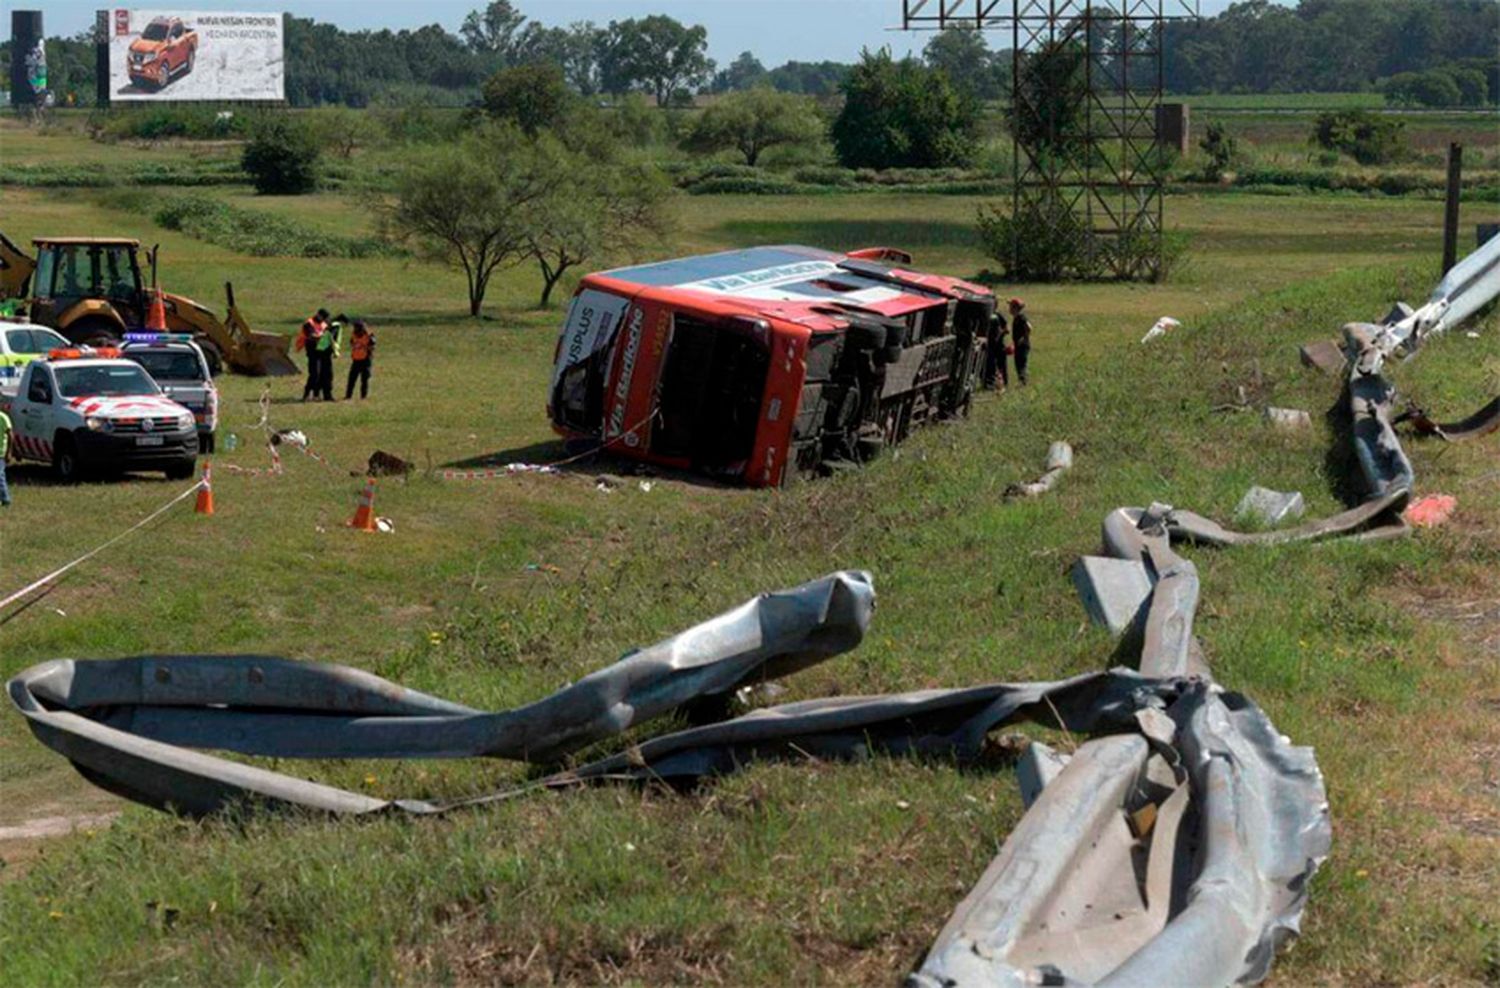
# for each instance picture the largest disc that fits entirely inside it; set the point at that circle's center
(91, 291)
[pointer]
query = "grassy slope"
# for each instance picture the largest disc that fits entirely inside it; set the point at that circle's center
(801, 873)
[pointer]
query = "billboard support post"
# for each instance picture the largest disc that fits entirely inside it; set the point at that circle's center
(28, 61)
(101, 58)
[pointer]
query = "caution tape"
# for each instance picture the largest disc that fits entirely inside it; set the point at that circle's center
(274, 470)
(63, 569)
(320, 458)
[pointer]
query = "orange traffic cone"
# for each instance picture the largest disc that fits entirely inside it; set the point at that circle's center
(205, 505)
(364, 515)
(156, 315)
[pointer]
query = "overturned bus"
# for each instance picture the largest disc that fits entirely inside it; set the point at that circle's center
(755, 365)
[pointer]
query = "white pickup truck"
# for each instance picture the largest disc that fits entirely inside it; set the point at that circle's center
(85, 411)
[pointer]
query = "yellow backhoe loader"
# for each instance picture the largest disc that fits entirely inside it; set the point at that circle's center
(90, 290)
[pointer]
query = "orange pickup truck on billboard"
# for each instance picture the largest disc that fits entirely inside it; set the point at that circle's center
(166, 49)
(755, 365)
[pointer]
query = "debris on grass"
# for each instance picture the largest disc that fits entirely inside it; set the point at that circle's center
(1114, 591)
(1270, 508)
(1290, 419)
(1059, 461)
(1430, 511)
(1324, 355)
(1163, 325)
(383, 464)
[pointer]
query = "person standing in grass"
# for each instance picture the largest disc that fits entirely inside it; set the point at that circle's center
(361, 353)
(1020, 334)
(328, 348)
(4, 451)
(995, 373)
(307, 338)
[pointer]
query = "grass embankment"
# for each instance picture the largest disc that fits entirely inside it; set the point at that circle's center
(799, 873)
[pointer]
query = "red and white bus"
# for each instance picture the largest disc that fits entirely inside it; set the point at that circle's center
(754, 365)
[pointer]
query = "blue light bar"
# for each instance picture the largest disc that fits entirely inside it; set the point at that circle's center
(158, 337)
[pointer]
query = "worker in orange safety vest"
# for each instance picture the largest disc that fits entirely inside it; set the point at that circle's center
(361, 353)
(307, 339)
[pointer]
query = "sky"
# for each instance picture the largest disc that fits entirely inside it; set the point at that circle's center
(775, 30)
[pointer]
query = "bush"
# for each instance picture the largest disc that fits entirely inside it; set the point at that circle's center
(689, 175)
(188, 172)
(175, 122)
(635, 121)
(1047, 242)
(1368, 138)
(415, 123)
(902, 114)
(250, 231)
(824, 175)
(1219, 147)
(282, 157)
(1042, 243)
(761, 186)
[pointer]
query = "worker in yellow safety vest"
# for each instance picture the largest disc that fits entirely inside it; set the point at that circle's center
(327, 346)
(4, 452)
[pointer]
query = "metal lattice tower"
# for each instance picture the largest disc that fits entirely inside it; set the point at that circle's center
(1086, 77)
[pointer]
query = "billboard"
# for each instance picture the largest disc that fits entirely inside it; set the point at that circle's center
(165, 55)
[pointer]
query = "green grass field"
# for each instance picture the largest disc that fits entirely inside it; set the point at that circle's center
(1379, 655)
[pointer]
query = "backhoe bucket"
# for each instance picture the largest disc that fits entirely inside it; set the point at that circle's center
(244, 351)
(255, 354)
(265, 356)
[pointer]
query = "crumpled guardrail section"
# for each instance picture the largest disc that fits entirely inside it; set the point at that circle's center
(128, 724)
(1242, 820)
(1180, 853)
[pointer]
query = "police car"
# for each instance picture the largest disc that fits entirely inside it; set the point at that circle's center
(20, 344)
(179, 365)
(83, 410)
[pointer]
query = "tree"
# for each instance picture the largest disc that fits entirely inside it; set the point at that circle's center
(493, 31)
(656, 52)
(465, 204)
(573, 49)
(599, 209)
(745, 72)
(1473, 87)
(1047, 116)
(1433, 88)
(342, 130)
(282, 156)
(532, 97)
(901, 115)
(962, 55)
(809, 78)
(750, 122)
